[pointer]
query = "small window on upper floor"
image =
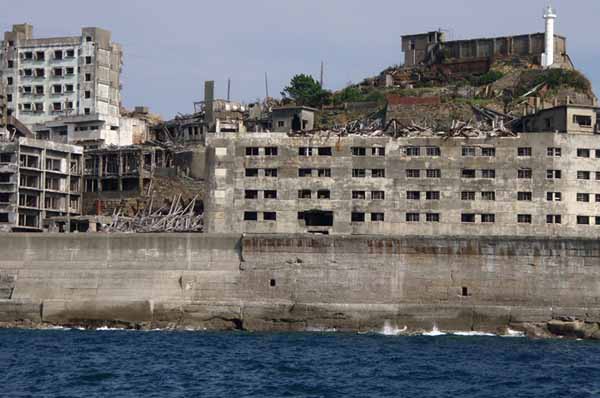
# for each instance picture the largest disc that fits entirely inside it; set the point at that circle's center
(88, 39)
(359, 151)
(325, 151)
(433, 151)
(554, 152)
(378, 173)
(434, 173)
(88, 77)
(583, 175)
(583, 220)
(377, 195)
(357, 217)
(582, 120)
(250, 194)
(270, 194)
(413, 151)
(250, 216)
(58, 54)
(251, 172)
(304, 172)
(583, 197)
(271, 151)
(70, 53)
(467, 195)
(488, 173)
(412, 217)
(359, 173)
(377, 217)
(323, 194)
(469, 151)
(413, 173)
(378, 151)
(491, 152)
(324, 173)
(280, 123)
(269, 216)
(304, 194)
(524, 218)
(524, 152)
(467, 218)
(251, 151)
(468, 173)
(583, 153)
(360, 195)
(270, 172)
(305, 151)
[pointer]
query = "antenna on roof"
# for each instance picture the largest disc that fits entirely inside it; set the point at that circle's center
(266, 85)
(228, 89)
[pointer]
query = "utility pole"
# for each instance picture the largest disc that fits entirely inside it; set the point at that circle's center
(266, 85)
(228, 89)
(322, 70)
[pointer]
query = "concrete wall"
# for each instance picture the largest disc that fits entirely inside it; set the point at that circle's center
(296, 282)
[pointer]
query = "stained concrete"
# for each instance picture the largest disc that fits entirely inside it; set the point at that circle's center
(297, 282)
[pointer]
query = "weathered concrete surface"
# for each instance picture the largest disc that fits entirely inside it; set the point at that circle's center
(301, 282)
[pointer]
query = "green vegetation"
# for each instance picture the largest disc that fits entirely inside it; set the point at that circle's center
(554, 78)
(487, 78)
(305, 90)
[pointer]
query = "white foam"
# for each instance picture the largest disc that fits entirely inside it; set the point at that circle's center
(57, 328)
(513, 333)
(321, 330)
(434, 332)
(473, 333)
(392, 330)
(106, 328)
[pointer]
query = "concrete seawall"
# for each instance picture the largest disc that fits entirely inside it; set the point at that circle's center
(287, 282)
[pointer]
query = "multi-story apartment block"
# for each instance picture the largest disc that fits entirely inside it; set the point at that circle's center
(530, 184)
(75, 80)
(38, 180)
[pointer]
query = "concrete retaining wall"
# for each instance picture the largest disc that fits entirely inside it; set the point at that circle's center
(286, 282)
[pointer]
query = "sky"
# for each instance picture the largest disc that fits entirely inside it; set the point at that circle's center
(171, 48)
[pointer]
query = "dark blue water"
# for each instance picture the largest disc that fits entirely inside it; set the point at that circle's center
(187, 364)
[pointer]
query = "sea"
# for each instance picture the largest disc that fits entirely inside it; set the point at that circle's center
(122, 363)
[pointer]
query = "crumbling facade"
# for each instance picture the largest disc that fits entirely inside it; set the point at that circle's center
(534, 184)
(432, 48)
(38, 180)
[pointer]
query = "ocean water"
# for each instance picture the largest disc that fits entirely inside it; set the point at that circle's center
(107, 363)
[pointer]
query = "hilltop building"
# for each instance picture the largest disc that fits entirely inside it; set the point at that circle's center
(545, 49)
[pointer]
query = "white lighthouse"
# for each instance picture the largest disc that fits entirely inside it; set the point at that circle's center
(548, 56)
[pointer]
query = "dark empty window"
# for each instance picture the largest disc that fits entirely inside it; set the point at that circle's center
(377, 195)
(583, 175)
(488, 218)
(434, 173)
(304, 194)
(582, 120)
(359, 173)
(433, 151)
(467, 218)
(468, 173)
(583, 153)
(412, 217)
(378, 151)
(377, 217)
(413, 195)
(488, 195)
(488, 173)
(324, 173)
(359, 151)
(325, 151)
(413, 173)
(251, 172)
(524, 218)
(250, 216)
(524, 152)
(251, 194)
(88, 60)
(271, 151)
(433, 217)
(524, 173)
(432, 195)
(465, 292)
(305, 151)
(467, 195)
(357, 217)
(270, 194)
(323, 194)
(378, 173)
(468, 151)
(304, 172)
(270, 216)
(583, 220)
(359, 195)
(413, 151)
(272, 283)
(270, 172)
(583, 197)
(251, 151)
(524, 196)
(488, 152)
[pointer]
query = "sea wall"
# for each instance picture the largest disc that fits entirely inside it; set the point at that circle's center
(299, 282)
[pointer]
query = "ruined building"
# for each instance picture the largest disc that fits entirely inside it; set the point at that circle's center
(432, 48)
(38, 180)
(543, 183)
(66, 89)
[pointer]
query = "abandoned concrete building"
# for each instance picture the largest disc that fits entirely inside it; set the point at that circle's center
(432, 48)
(534, 183)
(38, 180)
(123, 169)
(293, 118)
(66, 89)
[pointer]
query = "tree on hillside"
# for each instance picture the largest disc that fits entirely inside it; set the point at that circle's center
(305, 90)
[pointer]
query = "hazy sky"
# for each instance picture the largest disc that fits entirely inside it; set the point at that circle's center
(171, 47)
